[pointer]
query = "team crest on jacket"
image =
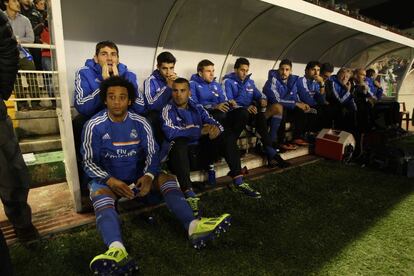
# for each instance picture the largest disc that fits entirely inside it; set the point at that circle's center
(133, 133)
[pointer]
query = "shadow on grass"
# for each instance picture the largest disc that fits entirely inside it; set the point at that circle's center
(306, 217)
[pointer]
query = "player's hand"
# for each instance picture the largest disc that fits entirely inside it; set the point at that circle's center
(144, 184)
(223, 107)
(377, 84)
(318, 78)
(115, 69)
(263, 102)
(120, 188)
(206, 129)
(171, 79)
(214, 132)
(348, 86)
(105, 71)
(232, 103)
(303, 106)
(252, 109)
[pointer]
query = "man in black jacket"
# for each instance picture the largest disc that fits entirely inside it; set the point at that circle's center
(15, 179)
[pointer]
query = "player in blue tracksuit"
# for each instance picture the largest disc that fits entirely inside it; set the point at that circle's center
(341, 102)
(157, 91)
(188, 126)
(311, 90)
(239, 87)
(118, 149)
(209, 93)
(87, 100)
(88, 78)
(281, 88)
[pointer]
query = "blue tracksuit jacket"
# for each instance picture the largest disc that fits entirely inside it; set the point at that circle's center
(157, 93)
(278, 91)
(243, 92)
(341, 94)
(375, 91)
(309, 92)
(125, 150)
(179, 122)
(87, 81)
(207, 94)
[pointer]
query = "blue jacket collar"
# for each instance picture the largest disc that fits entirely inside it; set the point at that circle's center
(157, 74)
(98, 69)
(200, 80)
(234, 77)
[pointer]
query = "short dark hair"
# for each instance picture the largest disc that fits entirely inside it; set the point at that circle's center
(312, 64)
(106, 43)
(285, 62)
(182, 80)
(327, 67)
(241, 61)
(370, 72)
(165, 57)
(3, 4)
(117, 81)
(203, 63)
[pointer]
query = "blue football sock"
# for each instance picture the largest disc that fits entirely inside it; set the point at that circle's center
(238, 180)
(190, 193)
(176, 202)
(270, 152)
(107, 219)
(274, 126)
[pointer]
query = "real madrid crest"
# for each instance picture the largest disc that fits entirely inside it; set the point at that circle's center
(133, 133)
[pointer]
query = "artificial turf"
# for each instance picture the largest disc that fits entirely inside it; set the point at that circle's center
(325, 218)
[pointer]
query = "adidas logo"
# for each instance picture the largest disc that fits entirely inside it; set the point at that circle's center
(106, 137)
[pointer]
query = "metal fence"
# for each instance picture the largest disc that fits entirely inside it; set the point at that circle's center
(36, 86)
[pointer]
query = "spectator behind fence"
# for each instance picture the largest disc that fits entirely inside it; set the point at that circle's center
(40, 5)
(240, 88)
(37, 21)
(118, 149)
(196, 140)
(47, 63)
(87, 101)
(24, 34)
(14, 175)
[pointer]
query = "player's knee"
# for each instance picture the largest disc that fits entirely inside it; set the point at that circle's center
(103, 191)
(163, 178)
(276, 109)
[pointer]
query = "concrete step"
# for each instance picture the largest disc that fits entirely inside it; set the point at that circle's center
(41, 143)
(35, 123)
(250, 160)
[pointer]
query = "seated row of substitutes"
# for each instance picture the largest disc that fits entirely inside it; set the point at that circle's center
(127, 135)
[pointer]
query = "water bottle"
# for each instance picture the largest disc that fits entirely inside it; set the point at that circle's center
(211, 175)
(134, 189)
